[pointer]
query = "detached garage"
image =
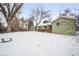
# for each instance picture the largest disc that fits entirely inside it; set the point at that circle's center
(64, 25)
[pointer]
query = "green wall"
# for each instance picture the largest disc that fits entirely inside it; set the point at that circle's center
(64, 26)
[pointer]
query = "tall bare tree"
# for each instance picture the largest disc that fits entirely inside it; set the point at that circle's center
(38, 14)
(9, 10)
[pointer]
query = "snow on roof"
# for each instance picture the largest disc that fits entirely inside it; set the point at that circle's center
(58, 16)
(44, 24)
(71, 17)
(54, 17)
(44, 20)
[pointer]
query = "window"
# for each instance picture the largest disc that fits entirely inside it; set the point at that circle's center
(57, 23)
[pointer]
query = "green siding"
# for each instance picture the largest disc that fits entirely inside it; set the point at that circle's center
(66, 26)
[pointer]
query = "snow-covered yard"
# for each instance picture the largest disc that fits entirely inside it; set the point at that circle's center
(39, 44)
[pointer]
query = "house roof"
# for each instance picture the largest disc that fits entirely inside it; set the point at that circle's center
(69, 17)
(64, 18)
(44, 24)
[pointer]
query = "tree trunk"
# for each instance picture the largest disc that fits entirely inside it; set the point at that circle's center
(9, 27)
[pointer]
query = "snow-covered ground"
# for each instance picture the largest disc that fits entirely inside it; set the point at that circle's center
(38, 44)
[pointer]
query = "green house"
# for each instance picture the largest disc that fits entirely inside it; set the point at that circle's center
(63, 25)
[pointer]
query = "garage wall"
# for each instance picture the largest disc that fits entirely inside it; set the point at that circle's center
(64, 26)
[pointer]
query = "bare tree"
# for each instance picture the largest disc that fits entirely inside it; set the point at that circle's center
(39, 13)
(9, 10)
(65, 12)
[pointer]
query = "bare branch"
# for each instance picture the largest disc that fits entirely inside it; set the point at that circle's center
(3, 10)
(39, 13)
(8, 8)
(16, 10)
